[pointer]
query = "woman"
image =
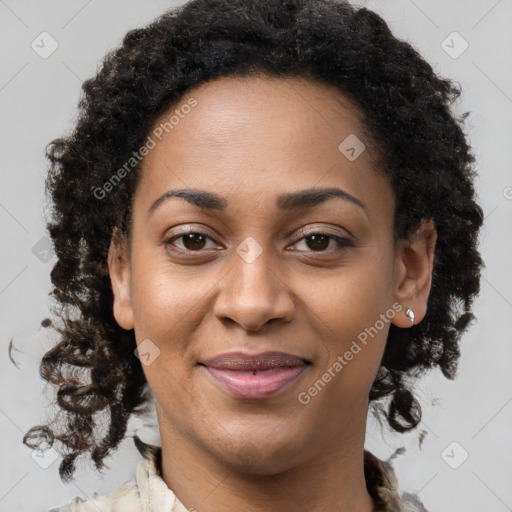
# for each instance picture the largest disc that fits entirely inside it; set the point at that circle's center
(260, 218)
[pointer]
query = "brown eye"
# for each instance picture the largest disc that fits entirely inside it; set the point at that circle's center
(316, 241)
(192, 241)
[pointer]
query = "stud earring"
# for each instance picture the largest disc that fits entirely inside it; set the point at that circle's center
(410, 314)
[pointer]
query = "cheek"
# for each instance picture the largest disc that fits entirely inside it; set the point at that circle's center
(168, 308)
(351, 298)
(162, 297)
(352, 313)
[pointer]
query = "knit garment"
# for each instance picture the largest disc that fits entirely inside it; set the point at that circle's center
(147, 491)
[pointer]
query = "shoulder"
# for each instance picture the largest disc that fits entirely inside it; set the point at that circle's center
(384, 488)
(412, 502)
(145, 492)
(125, 498)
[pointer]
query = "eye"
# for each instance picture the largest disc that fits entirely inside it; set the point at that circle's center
(319, 241)
(316, 241)
(193, 241)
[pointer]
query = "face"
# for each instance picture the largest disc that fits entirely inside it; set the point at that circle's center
(248, 259)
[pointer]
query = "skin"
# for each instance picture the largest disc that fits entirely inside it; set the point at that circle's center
(249, 140)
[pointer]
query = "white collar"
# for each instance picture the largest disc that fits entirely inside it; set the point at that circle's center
(157, 497)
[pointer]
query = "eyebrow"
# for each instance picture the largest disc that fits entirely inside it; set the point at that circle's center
(307, 198)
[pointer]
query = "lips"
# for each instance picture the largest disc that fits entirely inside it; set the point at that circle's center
(255, 362)
(255, 376)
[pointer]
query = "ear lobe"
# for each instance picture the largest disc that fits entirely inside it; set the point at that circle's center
(413, 273)
(120, 278)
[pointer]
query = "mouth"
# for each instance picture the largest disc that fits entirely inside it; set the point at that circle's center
(255, 376)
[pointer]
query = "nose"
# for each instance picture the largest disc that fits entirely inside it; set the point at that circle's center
(253, 293)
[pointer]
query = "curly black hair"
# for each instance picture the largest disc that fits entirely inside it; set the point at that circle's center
(406, 109)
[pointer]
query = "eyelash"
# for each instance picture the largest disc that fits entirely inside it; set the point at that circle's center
(342, 242)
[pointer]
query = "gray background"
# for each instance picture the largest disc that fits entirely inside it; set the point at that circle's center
(38, 100)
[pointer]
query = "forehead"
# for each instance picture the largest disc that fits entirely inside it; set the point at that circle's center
(253, 138)
(230, 109)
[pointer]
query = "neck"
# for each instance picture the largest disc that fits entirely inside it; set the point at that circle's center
(332, 480)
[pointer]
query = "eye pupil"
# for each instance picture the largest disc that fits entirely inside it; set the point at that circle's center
(193, 238)
(316, 239)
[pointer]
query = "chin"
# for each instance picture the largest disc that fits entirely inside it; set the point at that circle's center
(260, 458)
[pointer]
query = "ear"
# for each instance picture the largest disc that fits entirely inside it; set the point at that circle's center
(120, 277)
(413, 273)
